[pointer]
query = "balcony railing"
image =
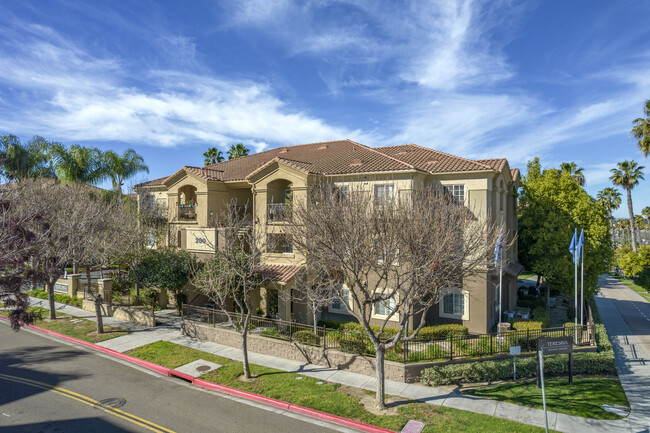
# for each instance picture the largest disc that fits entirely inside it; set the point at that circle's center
(278, 212)
(186, 213)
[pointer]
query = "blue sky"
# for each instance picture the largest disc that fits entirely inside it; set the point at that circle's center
(558, 80)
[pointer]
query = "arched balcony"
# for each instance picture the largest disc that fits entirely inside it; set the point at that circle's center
(187, 203)
(279, 198)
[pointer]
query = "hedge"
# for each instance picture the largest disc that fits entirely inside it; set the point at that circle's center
(485, 371)
(539, 314)
(58, 297)
(306, 337)
(331, 323)
(523, 325)
(441, 331)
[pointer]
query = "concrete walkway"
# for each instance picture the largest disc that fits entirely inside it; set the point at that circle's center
(626, 316)
(170, 331)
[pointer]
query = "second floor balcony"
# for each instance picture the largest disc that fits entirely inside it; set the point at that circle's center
(187, 212)
(278, 212)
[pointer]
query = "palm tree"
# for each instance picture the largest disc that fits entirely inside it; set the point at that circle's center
(120, 168)
(237, 150)
(212, 156)
(624, 226)
(641, 130)
(646, 214)
(18, 161)
(574, 171)
(611, 200)
(639, 222)
(79, 164)
(627, 175)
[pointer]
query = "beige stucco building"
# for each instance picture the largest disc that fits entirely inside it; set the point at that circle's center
(265, 183)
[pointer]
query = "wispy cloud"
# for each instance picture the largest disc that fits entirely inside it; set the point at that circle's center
(60, 90)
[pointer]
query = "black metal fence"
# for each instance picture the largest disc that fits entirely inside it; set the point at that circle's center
(417, 350)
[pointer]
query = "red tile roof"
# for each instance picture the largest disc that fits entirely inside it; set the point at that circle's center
(432, 161)
(278, 273)
(340, 157)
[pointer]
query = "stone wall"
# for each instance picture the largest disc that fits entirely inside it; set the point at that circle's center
(121, 313)
(303, 353)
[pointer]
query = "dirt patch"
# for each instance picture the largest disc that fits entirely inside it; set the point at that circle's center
(367, 399)
(243, 379)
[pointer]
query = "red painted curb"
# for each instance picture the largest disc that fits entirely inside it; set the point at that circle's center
(312, 413)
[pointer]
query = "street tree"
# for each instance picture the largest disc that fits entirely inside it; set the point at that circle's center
(237, 150)
(17, 244)
(165, 268)
(627, 175)
(390, 254)
(212, 156)
(551, 206)
(122, 167)
(641, 130)
(232, 275)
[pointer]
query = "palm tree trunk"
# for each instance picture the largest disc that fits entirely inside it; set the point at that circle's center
(632, 225)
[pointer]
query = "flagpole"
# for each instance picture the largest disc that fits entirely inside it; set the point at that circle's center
(575, 292)
(582, 287)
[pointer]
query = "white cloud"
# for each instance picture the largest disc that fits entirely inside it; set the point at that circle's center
(62, 91)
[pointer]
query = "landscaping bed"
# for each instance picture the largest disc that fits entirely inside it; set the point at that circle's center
(327, 397)
(74, 327)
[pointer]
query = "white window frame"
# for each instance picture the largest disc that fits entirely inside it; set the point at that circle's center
(394, 317)
(456, 292)
(342, 309)
(383, 197)
(452, 190)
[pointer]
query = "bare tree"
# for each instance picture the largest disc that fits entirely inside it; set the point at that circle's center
(232, 275)
(317, 293)
(17, 244)
(395, 254)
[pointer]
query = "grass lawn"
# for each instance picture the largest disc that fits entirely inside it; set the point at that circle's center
(525, 275)
(630, 283)
(83, 330)
(583, 398)
(327, 397)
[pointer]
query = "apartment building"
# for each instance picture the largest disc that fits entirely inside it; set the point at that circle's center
(264, 185)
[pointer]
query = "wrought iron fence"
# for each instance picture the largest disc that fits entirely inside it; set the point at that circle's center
(416, 350)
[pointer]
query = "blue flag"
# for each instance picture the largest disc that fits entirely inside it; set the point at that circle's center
(497, 248)
(581, 244)
(573, 246)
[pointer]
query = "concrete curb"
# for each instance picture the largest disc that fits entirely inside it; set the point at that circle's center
(312, 413)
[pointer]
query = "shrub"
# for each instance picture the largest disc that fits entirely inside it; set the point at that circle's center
(271, 333)
(530, 301)
(643, 279)
(436, 332)
(306, 337)
(523, 325)
(539, 314)
(602, 339)
(486, 371)
(331, 323)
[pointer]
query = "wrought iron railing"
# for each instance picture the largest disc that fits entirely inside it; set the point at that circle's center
(279, 212)
(417, 350)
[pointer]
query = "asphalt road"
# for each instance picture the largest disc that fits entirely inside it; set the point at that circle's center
(634, 310)
(48, 386)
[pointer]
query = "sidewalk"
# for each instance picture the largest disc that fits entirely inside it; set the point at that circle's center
(170, 331)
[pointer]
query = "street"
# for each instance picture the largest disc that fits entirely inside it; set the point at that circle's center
(48, 386)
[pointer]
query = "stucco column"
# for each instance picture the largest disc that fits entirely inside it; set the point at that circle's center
(74, 284)
(106, 289)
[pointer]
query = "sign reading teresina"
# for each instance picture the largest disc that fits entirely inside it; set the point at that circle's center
(553, 346)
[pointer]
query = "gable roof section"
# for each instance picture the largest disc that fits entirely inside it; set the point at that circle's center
(432, 161)
(496, 163)
(328, 158)
(153, 182)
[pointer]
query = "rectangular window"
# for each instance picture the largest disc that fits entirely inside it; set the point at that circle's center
(384, 193)
(384, 308)
(337, 305)
(454, 304)
(456, 192)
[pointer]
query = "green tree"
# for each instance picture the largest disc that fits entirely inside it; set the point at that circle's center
(611, 200)
(631, 263)
(551, 206)
(646, 214)
(641, 130)
(122, 167)
(627, 176)
(18, 161)
(212, 156)
(165, 268)
(79, 164)
(572, 169)
(237, 150)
